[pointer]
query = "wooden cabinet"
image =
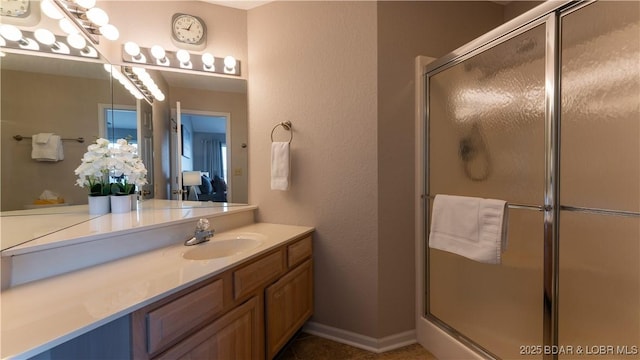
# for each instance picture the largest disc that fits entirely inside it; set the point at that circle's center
(171, 320)
(224, 317)
(289, 304)
(255, 275)
(236, 335)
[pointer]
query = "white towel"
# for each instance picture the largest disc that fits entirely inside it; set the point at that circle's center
(42, 138)
(280, 164)
(48, 151)
(471, 227)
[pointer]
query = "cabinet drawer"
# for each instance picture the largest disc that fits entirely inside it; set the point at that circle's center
(298, 251)
(257, 274)
(174, 319)
(236, 335)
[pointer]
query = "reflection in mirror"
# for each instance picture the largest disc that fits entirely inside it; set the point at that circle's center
(69, 98)
(43, 95)
(213, 136)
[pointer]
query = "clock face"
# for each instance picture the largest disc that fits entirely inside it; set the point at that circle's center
(14, 8)
(188, 29)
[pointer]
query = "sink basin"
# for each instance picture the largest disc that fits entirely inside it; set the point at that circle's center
(224, 245)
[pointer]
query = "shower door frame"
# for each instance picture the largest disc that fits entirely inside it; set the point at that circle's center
(548, 14)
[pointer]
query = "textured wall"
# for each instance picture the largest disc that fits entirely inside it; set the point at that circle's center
(407, 29)
(314, 64)
(343, 74)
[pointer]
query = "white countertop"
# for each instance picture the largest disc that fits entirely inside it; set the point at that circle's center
(42, 314)
(28, 231)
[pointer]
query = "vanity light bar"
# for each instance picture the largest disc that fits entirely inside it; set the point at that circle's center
(46, 46)
(124, 78)
(90, 20)
(132, 53)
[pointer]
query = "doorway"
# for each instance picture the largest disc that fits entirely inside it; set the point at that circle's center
(205, 138)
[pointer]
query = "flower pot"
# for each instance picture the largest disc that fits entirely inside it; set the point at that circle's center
(120, 204)
(134, 202)
(99, 205)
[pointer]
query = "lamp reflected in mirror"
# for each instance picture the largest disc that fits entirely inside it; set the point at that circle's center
(191, 179)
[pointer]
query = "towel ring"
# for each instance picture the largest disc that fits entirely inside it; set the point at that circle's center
(287, 126)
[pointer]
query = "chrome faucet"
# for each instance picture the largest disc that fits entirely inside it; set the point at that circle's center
(202, 233)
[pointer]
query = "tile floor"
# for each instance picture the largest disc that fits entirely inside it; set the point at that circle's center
(309, 347)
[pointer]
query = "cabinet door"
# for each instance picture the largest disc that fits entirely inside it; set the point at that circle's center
(236, 335)
(289, 303)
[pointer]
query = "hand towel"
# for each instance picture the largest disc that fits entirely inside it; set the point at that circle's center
(42, 138)
(50, 151)
(280, 165)
(471, 227)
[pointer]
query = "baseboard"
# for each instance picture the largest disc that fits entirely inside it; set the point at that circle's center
(360, 341)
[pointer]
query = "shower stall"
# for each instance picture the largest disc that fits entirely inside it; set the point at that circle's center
(543, 112)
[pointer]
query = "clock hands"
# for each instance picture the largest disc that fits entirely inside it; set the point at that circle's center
(188, 28)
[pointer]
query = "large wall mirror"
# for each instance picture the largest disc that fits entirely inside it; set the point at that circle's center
(76, 98)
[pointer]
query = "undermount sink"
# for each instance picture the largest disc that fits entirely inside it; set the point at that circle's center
(224, 245)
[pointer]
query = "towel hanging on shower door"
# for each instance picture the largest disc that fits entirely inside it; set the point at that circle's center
(471, 227)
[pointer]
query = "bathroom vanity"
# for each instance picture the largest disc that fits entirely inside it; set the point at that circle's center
(243, 294)
(234, 314)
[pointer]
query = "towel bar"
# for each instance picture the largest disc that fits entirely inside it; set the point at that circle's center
(287, 126)
(20, 137)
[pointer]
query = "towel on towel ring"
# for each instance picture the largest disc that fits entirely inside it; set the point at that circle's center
(280, 165)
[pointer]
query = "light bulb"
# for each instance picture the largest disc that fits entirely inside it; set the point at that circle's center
(159, 96)
(152, 87)
(110, 32)
(116, 74)
(45, 36)
(2, 54)
(158, 52)
(144, 77)
(10, 32)
(229, 64)
(207, 60)
(2, 42)
(67, 26)
(76, 41)
(87, 4)
(97, 16)
(183, 56)
(51, 10)
(108, 68)
(132, 48)
(138, 70)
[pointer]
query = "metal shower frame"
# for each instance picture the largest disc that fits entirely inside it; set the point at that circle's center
(549, 15)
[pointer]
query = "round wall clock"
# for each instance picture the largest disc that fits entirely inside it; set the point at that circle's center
(14, 8)
(188, 31)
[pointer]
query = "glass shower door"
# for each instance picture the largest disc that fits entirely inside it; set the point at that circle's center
(599, 304)
(486, 139)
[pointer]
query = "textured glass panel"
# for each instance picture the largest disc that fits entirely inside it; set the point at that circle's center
(486, 119)
(600, 152)
(497, 306)
(599, 284)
